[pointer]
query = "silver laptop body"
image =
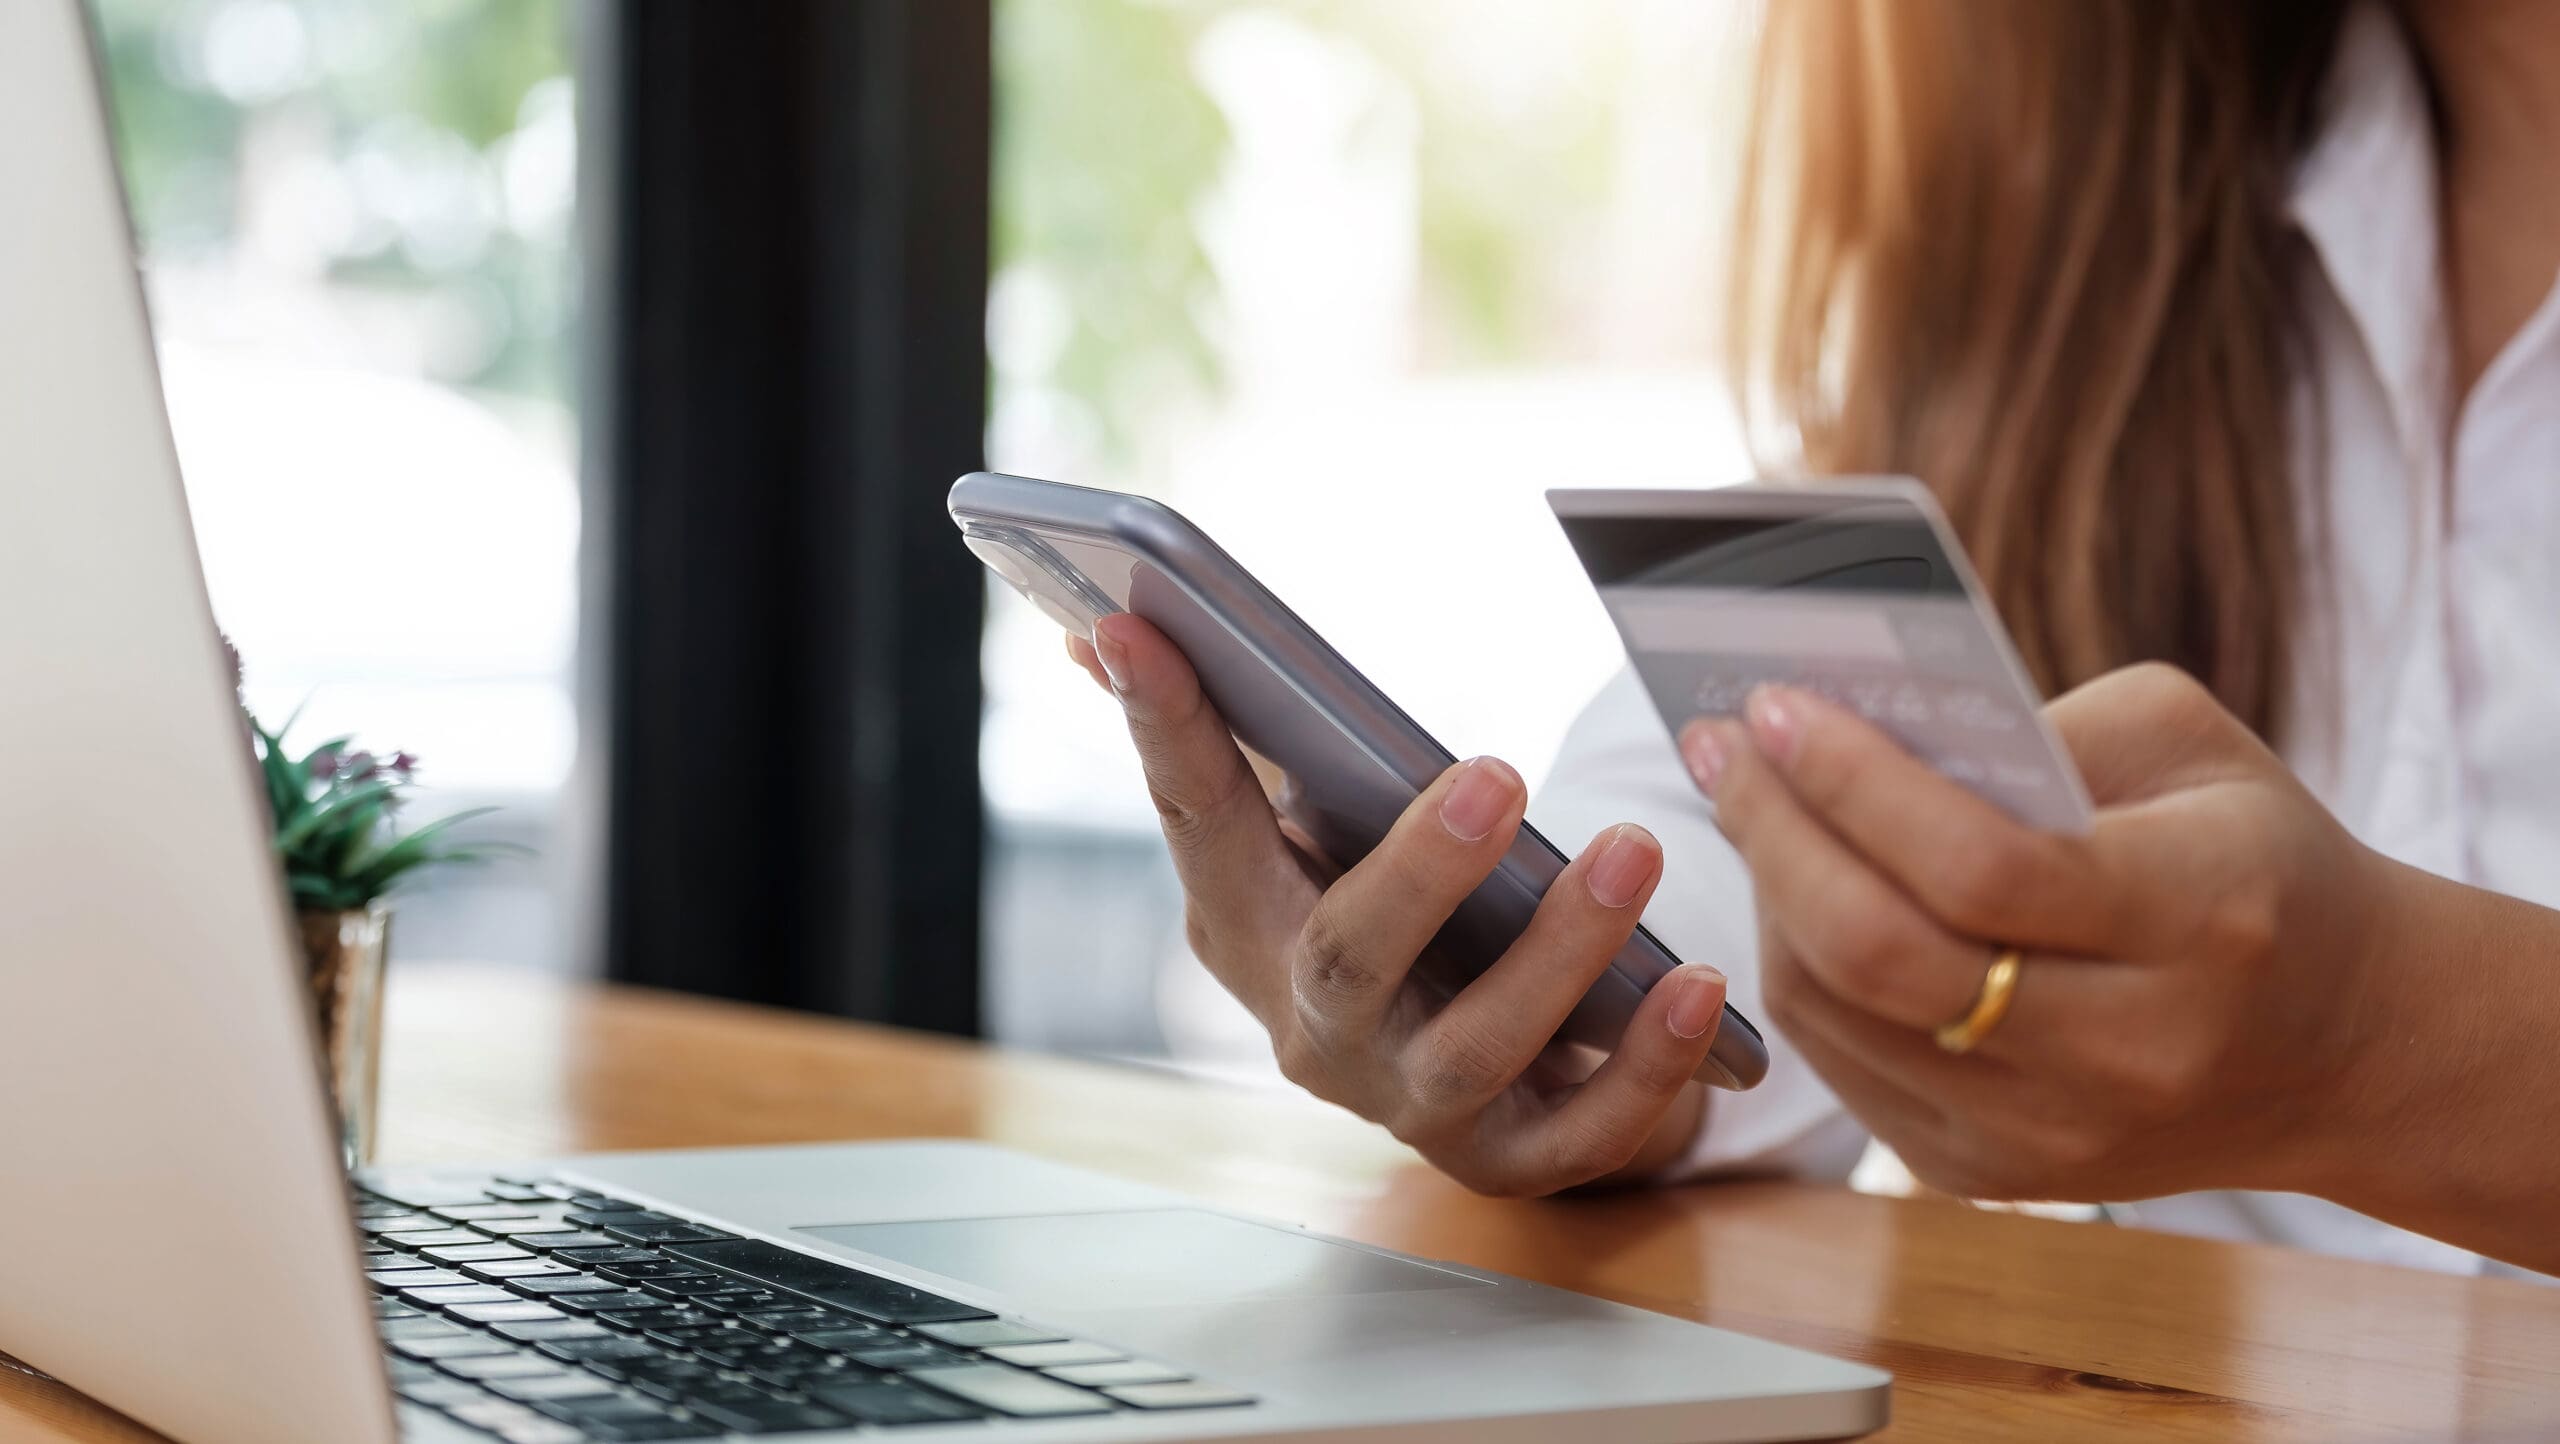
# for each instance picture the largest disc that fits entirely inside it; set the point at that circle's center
(175, 1236)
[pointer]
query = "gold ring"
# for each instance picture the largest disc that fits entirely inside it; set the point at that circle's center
(1961, 1035)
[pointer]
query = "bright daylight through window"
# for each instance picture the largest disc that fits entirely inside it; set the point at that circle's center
(356, 225)
(1350, 283)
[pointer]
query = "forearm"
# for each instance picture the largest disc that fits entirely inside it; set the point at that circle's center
(2450, 1126)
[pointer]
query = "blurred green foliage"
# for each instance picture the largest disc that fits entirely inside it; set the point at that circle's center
(1104, 145)
(194, 80)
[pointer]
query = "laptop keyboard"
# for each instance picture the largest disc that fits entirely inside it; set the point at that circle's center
(544, 1313)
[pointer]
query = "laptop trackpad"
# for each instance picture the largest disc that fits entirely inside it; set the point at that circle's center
(1154, 1257)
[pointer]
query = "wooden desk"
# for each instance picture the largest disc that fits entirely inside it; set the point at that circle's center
(1997, 1326)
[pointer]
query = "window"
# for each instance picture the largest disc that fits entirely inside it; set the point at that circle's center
(356, 226)
(1351, 284)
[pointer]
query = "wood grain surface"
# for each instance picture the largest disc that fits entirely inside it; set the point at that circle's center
(1996, 1326)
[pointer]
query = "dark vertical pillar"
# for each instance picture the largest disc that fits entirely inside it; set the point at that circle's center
(788, 261)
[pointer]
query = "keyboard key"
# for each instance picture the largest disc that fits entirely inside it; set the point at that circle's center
(451, 1346)
(1190, 1395)
(392, 1281)
(869, 1295)
(792, 1321)
(393, 1309)
(493, 1270)
(597, 1217)
(600, 1203)
(548, 1241)
(466, 1212)
(841, 1340)
(635, 1320)
(609, 1348)
(1127, 1371)
(624, 1429)
(766, 1415)
(898, 1356)
(397, 1223)
(440, 1392)
(742, 1352)
(516, 1192)
(564, 1284)
(988, 1333)
(481, 1252)
(551, 1386)
(670, 1232)
(512, 1227)
(889, 1403)
(1011, 1391)
(618, 1254)
(686, 1288)
(534, 1331)
(430, 1194)
(652, 1267)
(430, 1281)
(514, 1311)
(608, 1408)
(759, 1301)
(687, 1337)
(490, 1413)
(465, 1293)
(667, 1383)
(605, 1303)
(420, 1327)
(432, 1238)
(1044, 1356)
(540, 1431)
(509, 1365)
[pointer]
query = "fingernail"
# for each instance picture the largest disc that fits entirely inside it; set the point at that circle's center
(1479, 799)
(1698, 1003)
(1777, 716)
(1704, 752)
(1115, 659)
(1628, 857)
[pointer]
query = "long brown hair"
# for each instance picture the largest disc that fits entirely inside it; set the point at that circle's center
(2035, 253)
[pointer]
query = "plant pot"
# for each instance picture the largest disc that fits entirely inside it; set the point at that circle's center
(345, 953)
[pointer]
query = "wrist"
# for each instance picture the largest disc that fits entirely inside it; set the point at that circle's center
(2386, 995)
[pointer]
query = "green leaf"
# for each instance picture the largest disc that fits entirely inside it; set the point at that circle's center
(293, 833)
(376, 872)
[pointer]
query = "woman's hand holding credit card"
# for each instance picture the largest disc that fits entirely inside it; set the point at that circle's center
(2030, 989)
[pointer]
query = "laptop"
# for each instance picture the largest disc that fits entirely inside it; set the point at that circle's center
(178, 1239)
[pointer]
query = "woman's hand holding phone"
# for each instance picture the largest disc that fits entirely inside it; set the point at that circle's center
(1326, 961)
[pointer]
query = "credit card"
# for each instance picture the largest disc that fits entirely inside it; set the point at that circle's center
(1856, 591)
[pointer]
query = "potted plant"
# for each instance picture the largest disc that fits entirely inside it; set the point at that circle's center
(337, 834)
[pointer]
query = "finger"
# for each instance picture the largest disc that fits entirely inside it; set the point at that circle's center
(1364, 934)
(1494, 1029)
(1080, 652)
(2139, 731)
(1796, 1005)
(1970, 1123)
(1856, 932)
(1964, 860)
(1605, 1122)
(1226, 845)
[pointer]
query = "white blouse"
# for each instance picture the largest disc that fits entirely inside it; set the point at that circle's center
(2442, 611)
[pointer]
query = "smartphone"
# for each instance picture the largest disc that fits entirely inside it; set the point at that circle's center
(1352, 759)
(1855, 590)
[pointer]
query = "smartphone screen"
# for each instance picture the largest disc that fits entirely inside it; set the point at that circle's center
(1856, 596)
